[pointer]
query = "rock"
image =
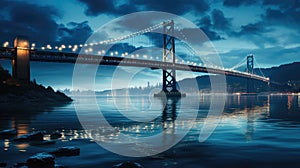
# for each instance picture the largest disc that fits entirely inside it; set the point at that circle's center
(3, 164)
(66, 151)
(8, 133)
(20, 165)
(55, 135)
(41, 160)
(36, 136)
(128, 164)
(46, 142)
(59, 166)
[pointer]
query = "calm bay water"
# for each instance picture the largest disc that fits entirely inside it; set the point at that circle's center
(255, 131)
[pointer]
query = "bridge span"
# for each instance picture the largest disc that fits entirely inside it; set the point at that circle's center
(63, 57)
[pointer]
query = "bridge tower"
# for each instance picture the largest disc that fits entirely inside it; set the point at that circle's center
(20, 60)
(250, 67)
(169, 85)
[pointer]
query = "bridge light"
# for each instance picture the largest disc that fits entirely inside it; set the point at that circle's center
(33, 45)
(126, 53)
(63, 46)
(85, 45)
(123, 55)
(80, 45)
(70, 46)
(56, 47)
(74, 49)
(59, 49)
(86, 50)
(43, 48)
(103, 51)
(90, 49)
(137, 55)
(5, 44)
(116, 53)
(111, 54)
(99, 52)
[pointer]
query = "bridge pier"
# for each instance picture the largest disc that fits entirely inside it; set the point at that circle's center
(169, 86)
(21, 60)
(250, 67)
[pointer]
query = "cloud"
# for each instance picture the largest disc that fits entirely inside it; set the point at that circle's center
(39, 24)
(95, 8)
(220, 22)
(253, 29)
(237, 3)
(282, 4)
(114, 7)
(74, 32)
(282, 17)
(31, 20)
(257, 33)
(217, 22)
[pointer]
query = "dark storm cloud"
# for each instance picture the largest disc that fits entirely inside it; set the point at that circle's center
(74, 32)
(254, 32)
(220, 21)
(94, 8)
(179, 7)
(285, 17)
(38, 23)
(237, 3)
(217, 22)
(253, 29)
(283, 4)
(31, 20)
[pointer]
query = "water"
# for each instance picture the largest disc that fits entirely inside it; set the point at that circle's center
(254, 131)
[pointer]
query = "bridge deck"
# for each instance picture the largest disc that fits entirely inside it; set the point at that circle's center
(62, 57)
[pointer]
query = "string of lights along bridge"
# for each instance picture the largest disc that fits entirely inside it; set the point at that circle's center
(152, 47)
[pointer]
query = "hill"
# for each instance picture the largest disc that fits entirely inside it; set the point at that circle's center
(17, 94)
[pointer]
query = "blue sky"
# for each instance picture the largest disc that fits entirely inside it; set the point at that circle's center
(270, 29)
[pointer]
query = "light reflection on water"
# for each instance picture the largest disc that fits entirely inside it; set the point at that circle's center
(261, 119)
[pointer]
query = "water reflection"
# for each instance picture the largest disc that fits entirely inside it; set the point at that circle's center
(241, 113)
(169, 112)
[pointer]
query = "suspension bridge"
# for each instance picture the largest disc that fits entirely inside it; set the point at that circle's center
(23, 52)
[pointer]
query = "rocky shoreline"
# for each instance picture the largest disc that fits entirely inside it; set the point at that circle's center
(16, 94)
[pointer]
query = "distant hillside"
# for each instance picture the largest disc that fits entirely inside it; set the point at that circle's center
(283, 73)
(288, 76)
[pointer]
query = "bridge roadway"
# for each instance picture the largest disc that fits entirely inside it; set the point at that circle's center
(63, 57)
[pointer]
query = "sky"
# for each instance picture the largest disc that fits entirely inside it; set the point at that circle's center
(269, 29)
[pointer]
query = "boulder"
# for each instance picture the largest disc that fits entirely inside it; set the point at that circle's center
(35, 136)
(8, 133)
(45, 142)
(66, 151)
(39, 160)
(20, 165)
(59, 166)
(128, 164)
(3, 164)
